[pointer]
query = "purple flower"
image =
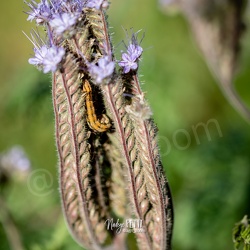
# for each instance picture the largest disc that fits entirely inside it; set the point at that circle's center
(63, 22)
(53, 58)
(41, 12)
(130, 58)
(39, 56)
(47, 10)
(97, 4)
(47, 58)
(134, 50)
(104, 69)
(128, 63)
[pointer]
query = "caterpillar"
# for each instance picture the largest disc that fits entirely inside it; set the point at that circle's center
(94, 123)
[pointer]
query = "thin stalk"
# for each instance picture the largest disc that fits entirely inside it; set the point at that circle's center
(9, 227)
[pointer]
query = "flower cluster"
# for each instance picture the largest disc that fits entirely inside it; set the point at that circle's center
(59, 17)
(47, 10)
(100, 126)
(130, 59)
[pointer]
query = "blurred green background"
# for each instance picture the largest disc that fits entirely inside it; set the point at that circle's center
(209, 177)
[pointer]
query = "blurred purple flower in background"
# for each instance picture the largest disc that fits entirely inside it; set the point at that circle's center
(14, 163)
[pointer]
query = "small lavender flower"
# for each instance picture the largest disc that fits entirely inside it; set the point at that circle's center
(129, 59)
(104, 69)
(63, 22)
(47, 58)
(45, 11)
(53, 58)
(41, 12)
(97, 4)
(128, 63)
(40, 54)
(135, 51)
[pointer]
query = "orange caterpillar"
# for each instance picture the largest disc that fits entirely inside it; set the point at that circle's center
(101, 125)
